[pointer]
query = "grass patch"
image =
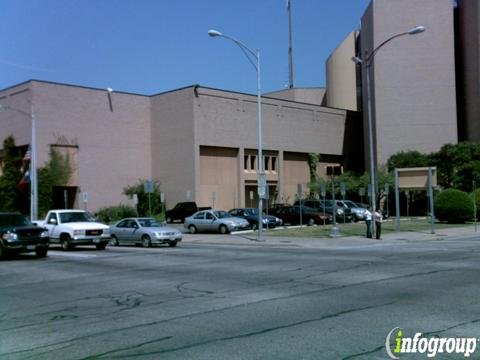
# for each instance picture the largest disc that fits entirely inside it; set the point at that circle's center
(420, 224)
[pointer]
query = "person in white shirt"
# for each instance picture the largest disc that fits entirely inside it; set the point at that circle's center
(378, 224)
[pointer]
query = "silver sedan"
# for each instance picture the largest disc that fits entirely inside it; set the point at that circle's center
(216, 221)
(145, 231)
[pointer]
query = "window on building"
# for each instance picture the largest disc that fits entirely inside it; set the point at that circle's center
(274, 163)
(245, 162)
(266, 163)
(253, 161)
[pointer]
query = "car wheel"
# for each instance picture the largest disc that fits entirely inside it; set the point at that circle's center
(169, 220)
(192, 229)
(146, 242)
(311, 222)
(2, 252)
(101, 246)
(41, 251)
(113, 241)
(65, 242)
(223, 229)
(172, 243)
(254, 226)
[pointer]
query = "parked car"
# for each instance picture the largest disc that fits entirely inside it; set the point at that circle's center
(182, 210)
(328, 207)
(145, 231)
(251, 215)
(357, 211)
(216, 221)
(291, 215)
(72, 227)
(19, 235)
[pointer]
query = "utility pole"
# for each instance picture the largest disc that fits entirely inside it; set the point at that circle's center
(290, 50)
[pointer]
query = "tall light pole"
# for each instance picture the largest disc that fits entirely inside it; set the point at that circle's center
(253, 55)
(366, 63)
(33, 160)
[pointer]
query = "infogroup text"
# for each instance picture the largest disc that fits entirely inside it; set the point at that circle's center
(431, 346)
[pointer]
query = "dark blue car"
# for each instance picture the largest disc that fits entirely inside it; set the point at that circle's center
(251, 215)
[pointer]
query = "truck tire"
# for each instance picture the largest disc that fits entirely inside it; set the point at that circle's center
(101, 246)
(41, 251)
(169, 220)
(66, 242)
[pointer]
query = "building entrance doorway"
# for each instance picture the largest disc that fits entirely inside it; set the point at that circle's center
(251, 196)
(64, 197)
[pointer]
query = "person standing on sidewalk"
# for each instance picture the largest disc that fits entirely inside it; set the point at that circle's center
(368, 221)
(378, 224)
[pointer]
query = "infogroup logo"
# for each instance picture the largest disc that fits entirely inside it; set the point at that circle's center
(431, 346)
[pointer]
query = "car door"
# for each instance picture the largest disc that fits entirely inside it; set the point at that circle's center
(210, 222)
(131, 231)
(199, 221)
(119, 230)
(51, 225)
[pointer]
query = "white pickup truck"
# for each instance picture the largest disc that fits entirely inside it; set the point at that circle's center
(75, 227)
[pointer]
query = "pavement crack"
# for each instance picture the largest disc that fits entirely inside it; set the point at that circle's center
(267, 330)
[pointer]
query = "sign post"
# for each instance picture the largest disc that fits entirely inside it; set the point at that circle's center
(85, 200)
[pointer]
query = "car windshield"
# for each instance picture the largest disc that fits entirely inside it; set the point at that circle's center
(68, 217)
(14, 220)
(253, 211)
(350, 204)
(150, 223)
(222, 214)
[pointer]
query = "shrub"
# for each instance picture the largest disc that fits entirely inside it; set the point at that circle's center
(114, 213)
(454, 206)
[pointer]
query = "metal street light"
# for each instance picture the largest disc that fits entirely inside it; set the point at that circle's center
(33, 161)
(251, 56)
(366, 63)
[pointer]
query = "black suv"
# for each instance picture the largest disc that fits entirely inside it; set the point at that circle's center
(19, 235)
(182, 210)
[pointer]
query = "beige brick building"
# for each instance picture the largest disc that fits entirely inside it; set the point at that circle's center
(196, 141)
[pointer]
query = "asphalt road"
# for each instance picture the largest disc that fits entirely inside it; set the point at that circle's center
(205, 301)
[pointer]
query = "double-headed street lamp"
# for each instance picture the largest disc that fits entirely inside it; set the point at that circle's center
(33, 160)
(251, 56)
(366, 63)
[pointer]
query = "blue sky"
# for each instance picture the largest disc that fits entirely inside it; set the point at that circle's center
(151, 46)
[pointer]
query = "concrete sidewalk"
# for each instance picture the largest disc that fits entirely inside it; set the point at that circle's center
(250, 238)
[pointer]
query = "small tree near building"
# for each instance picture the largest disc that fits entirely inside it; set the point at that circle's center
(11, 176)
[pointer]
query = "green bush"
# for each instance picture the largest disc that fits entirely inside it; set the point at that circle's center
(112, 214)
(453, 206)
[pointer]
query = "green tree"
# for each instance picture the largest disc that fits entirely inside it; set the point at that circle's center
(11, 176)
(56, 172)
(143, 206)
(458, 164)
(407, 159)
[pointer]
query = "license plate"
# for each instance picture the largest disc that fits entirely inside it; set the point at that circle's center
(30, 247)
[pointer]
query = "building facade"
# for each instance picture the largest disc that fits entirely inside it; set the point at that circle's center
(413, 85)
(199, 143)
